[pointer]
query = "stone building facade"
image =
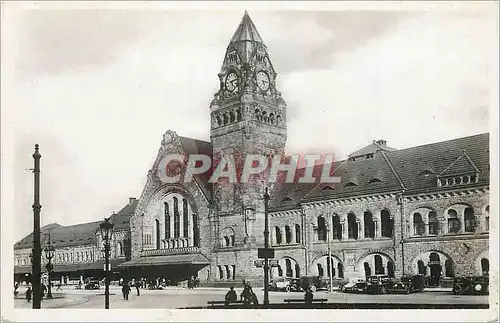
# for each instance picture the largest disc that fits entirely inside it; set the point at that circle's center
(78, 248)
(421, 210)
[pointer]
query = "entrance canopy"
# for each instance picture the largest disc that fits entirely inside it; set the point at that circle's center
(189, 259)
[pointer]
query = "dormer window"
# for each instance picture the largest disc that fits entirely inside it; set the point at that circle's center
(349, 184)
(369, 156)
(374, 180)
(286, 199)
(327, 188)
(426, 173)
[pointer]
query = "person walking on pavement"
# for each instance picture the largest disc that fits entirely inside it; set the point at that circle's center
(28, 294)
(308, 296)
(137, 286)
(125, 290)
(246, 294)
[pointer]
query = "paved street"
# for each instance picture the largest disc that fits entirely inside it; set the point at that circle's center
(177, 298)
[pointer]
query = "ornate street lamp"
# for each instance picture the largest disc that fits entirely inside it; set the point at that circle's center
(106, 229)
(49, 254)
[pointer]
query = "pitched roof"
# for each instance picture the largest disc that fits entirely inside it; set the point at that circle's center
(195, 146)
(376, 145)
(246, 31)
(413, 170)
(64, 236)
(413, 164)
(121, 219)
(78, 234)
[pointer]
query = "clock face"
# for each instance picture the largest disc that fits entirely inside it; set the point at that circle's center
(231, 82)
(263, 81)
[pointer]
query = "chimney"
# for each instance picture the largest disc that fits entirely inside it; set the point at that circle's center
(381, 142)
(131, 200)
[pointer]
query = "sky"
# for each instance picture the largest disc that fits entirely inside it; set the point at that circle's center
(97, 89)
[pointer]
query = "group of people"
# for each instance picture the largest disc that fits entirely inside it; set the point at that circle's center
(247, 295)
(127, 287)
(29, 292)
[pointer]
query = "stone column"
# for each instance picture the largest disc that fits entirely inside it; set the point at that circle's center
(376, 224)
(345, 233)
(462, 221)
(190, 227)
(361, 229)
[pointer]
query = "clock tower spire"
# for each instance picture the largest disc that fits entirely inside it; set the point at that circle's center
(248, 115)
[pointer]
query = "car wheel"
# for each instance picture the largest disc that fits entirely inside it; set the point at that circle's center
(287, 288)
(313, 289)
(408, 291)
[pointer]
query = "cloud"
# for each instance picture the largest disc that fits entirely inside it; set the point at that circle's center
(106, 85)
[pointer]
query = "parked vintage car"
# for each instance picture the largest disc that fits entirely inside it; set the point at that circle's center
(378, 284)
(408, 284)
(478, 285)
(286, 284)
(93, 284)
(356, 285)
(315, 282)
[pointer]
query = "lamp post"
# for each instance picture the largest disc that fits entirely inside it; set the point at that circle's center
(106, 229)
(37, 249)
(49, 254)
(330, 262)
(266, 246)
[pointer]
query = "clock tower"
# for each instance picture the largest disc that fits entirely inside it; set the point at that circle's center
(248, 116)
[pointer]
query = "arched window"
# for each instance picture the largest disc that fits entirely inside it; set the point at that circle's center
(340, 270)
(470, 220)
(321, 229)
(157, 228)
(288, 234)
(485, 267)
(387, 224)
(448, 266)
(167, 220)
(433, 223)
(221, 272)
(320, 270)
(177, 224)
(336, 228)
(196, 231)
(418, 224)
(421, 267)
(390, 269)
(119, 250)
(352, 226)
(226, 241)
(369, 225)
(453, 221)
(297, 271)
(297, 233)
(228, 272)
(379, 266)
(288, 266)
(185, 219)
(280, 271)
(487, 219)
(368, 270)
(278, 235)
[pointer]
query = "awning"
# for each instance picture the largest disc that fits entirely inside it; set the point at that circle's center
(186, 259)
(22, 270)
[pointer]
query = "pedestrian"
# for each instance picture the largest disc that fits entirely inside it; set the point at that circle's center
(231, 296)
(125, 291)
(16, 286)
(246, 294)
(58, 286)
(137, 285)
(308, 296)
(28, 294)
